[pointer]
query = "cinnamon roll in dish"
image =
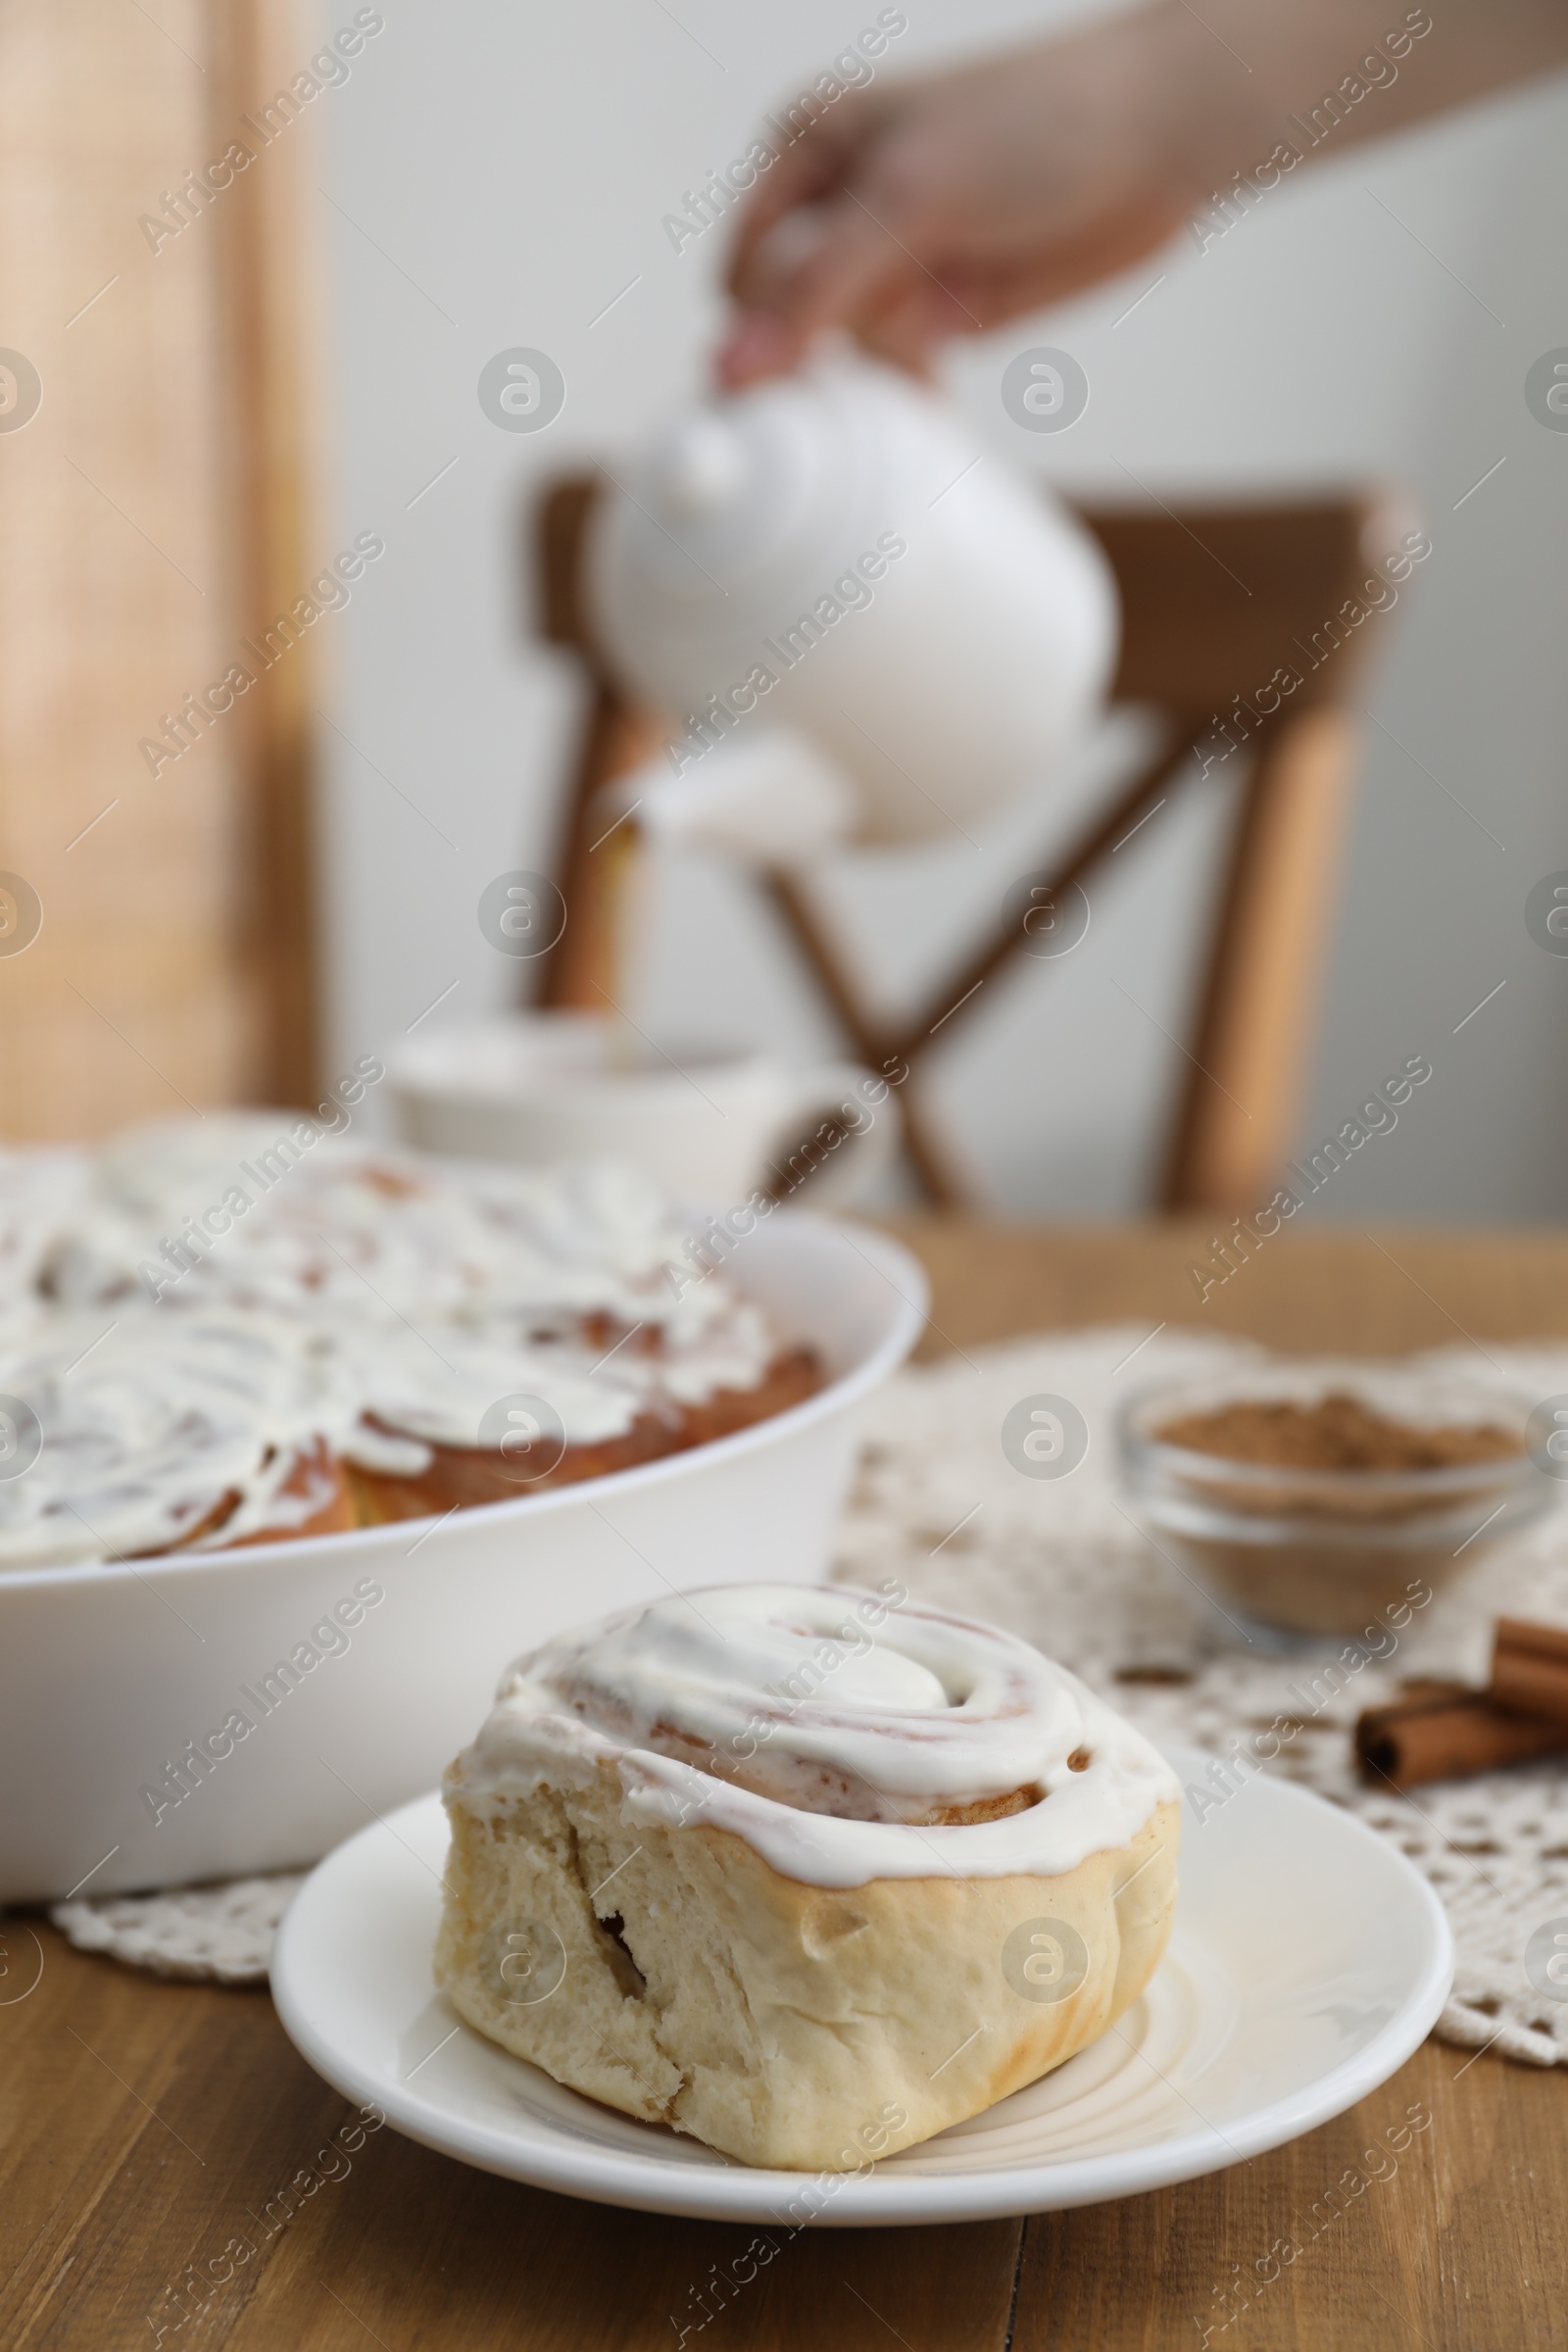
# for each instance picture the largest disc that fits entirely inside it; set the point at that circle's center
(166, 1433)
(801, 1873)
(223, 1331)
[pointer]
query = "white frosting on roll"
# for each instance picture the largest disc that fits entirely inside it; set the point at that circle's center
(826, 1727)
(437, 1387)
(370, 1232)
(153, 1423)
(38, 1190)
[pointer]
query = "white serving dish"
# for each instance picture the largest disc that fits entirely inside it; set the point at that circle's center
(108, 1669)
(1309, 1959)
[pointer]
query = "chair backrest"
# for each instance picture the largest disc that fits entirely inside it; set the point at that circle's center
(1242, 628)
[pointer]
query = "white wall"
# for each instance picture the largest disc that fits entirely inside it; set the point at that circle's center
(502, 174)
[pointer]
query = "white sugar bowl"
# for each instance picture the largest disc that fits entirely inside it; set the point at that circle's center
(834, 553)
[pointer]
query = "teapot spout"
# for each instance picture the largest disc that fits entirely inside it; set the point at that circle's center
(762, 800)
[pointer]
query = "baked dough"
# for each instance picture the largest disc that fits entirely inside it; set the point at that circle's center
(803, 1929)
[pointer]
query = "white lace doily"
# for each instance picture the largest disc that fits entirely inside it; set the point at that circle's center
(939, 1505)
(224, 1932)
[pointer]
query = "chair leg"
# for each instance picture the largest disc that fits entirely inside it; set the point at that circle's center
(929, 1163)
(1232, 1128)
(578, 973)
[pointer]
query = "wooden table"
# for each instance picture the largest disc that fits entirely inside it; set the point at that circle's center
(145, 2126)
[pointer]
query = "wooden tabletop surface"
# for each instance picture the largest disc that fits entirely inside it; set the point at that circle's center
(144, 2126)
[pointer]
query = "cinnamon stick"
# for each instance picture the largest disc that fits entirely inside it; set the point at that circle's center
(1529, 1668)
(1447, 1731)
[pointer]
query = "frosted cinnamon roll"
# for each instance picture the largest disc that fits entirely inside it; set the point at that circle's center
(450, 1418)
(783, 1868)
(454, 1415)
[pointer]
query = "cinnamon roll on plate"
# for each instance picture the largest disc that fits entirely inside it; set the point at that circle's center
(801, 1872)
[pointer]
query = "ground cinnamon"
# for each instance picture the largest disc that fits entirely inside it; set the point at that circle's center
(1337, 1432)
(1316, 1515)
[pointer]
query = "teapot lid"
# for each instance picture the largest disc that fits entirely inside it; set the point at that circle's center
(743, 488)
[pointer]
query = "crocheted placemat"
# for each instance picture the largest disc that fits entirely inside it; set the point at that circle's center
(223, 1933)
(939, 1505)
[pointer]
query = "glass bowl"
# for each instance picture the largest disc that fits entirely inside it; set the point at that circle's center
(1294, 1556)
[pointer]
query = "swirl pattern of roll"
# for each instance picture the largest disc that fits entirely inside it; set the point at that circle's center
(808, 1873)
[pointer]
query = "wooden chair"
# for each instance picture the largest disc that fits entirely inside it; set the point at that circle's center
(1215, 600)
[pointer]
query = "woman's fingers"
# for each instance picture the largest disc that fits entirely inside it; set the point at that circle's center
(757, 345)
(827, 265)
(817, 164)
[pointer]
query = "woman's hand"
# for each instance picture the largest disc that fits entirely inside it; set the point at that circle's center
(944, 205)
(916, 210)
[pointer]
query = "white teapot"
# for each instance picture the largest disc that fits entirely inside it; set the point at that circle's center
(828, 556)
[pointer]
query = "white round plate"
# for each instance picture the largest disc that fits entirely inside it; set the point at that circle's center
(1308, 1961)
